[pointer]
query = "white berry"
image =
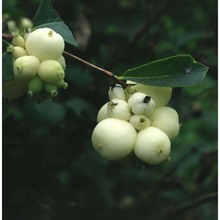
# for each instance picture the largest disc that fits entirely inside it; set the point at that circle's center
(102, 113)
(141, 103)
(160, 95)
(139, 121)
(166, 119)
(116, 92)
(113, 138)
(45, 44)
(152, 146)
(118, 109)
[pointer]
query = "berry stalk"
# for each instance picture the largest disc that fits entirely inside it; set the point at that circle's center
(106, 72)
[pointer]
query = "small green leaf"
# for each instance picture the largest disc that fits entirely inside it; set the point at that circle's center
(7, 66)
(47, 16)
(176, 71)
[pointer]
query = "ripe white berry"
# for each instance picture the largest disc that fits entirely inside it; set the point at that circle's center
(141, 104)
(51, 71)
(25, 67)
(152, 146)
(139, 121)
(166, 119)
(116, 92)
(103, 113)
(45, 44)
(118, 109)
(113, 138)
(160, 95)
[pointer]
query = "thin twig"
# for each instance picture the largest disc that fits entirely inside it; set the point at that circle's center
(190, 205)
(106, 72)
(7, 36)
(146, 26)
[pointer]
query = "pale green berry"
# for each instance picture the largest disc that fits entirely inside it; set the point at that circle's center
(62, 84)
(118, 108)
(152, 146)
(51, 71)
(14, 89)
(51, 89)
(139, 121)
(25, 23)
(45, 44)
(25, 67)
(103, 113)
(62, 61)
(35, 85)
(18, 40)
(17, 51)
(113, 138)
(141, 104)
(12, 27)
(116, 92)
(166, 119)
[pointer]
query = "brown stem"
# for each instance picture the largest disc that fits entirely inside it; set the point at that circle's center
(190, 205)
(7, 36)
(106, 72)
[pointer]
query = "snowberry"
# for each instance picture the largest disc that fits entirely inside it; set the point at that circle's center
(116, 92)
(160, 95)
(51, 71)
(35, 85)
(152, 146)
(25, 67)
(45, 44)
(166, 119)
(62, 61)
(18, 40)
(25, 23)
(139, 121)
(62, 84)
(141, 103)
(102, 113)
(17, 51)
(113, 138)
(118, 109)
(51, 89)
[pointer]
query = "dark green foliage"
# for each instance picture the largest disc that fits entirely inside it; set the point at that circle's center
(47, 16)
(50, 170)
(7, 66)
(176, 71)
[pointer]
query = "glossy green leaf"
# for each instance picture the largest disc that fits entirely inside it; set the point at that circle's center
(7, 66)
(176, 71)
(47, 16)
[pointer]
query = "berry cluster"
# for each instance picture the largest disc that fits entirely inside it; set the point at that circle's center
(136, 119)
(38, 65)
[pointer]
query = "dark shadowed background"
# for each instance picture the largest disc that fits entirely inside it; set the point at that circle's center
(50, 170)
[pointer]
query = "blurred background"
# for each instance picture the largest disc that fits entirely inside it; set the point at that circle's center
(50, 170)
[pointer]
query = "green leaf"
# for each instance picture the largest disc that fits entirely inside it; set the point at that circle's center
(176, 71)
(47, 16)
(7, 66)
